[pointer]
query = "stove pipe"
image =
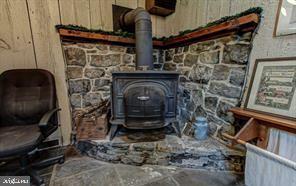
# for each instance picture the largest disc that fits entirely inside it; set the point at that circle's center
(140, 19)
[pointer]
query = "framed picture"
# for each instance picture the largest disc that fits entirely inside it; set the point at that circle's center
(286, 18)
(272, 87)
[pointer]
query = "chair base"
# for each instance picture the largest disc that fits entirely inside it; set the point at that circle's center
(30, 169)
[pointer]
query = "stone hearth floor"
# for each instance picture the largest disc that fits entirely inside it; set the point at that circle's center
(87, 171)
(185, 152)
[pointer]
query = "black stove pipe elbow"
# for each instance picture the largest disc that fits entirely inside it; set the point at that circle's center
(140, 19)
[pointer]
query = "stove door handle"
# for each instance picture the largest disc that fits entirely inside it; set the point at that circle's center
(143, 98)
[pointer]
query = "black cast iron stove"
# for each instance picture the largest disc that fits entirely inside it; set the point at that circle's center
(144, 99)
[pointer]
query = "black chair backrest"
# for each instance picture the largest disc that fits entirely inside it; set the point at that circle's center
(25, 96)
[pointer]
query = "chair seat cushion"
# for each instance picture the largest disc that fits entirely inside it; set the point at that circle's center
(15, 140)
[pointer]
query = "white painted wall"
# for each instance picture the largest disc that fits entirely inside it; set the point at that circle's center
(265, 45)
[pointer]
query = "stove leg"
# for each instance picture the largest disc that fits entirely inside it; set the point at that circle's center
(113, 131)
(177, 128)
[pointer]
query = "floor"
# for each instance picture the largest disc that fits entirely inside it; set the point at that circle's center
(45, 173)
(81, 170)
(87, 171)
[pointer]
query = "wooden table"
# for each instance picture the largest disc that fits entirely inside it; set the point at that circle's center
(257, 126)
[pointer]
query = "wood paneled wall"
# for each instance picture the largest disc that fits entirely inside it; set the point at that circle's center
(97, 14)
(28, 38)
(191, 14)
(16, 42)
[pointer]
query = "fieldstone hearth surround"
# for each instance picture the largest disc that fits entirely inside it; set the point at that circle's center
(211, 81)
(212, 75)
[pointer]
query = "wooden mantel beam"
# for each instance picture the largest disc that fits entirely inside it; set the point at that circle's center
(242, 24)
(74, 35)
(228, 27)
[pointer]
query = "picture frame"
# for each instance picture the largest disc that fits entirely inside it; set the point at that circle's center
(272, 87)
(285, 23)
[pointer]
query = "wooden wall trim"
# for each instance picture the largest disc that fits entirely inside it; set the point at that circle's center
(225, 28)
(74, 35)
(242, 24)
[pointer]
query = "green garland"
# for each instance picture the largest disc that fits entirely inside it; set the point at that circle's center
(84, 29)
(257, 10)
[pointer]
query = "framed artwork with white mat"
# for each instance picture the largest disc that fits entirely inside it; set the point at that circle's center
(286, 18)
(272, 87)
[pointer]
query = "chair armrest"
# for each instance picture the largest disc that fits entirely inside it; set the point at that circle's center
(46, 117)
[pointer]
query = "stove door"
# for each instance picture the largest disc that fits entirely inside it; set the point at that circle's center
(144, 106)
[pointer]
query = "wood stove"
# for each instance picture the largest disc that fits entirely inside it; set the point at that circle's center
(143, 99)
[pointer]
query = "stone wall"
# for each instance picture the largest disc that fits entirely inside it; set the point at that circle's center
(211, 81)
(213, 75)
(90, 67)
